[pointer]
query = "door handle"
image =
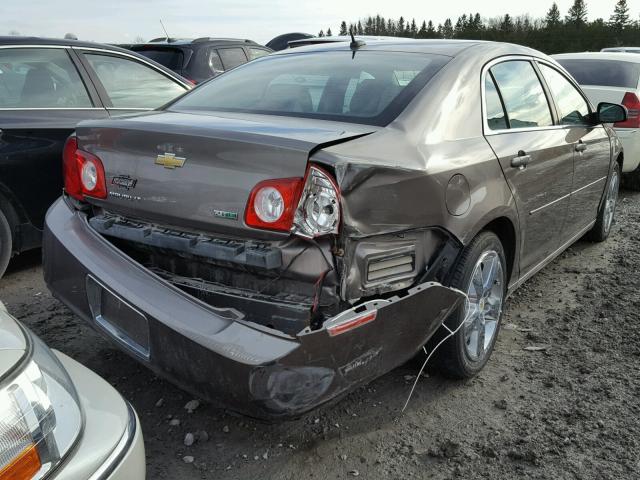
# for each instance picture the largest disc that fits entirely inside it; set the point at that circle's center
(580, 146)
(521, 161)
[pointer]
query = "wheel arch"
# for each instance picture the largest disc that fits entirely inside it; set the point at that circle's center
(12, 209)
(505, 230)
(503, 223)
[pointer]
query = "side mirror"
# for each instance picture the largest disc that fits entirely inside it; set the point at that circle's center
(611, 113)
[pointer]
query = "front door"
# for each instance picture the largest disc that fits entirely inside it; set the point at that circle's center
(591, 151)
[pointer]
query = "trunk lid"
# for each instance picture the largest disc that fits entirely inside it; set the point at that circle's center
(197, 170)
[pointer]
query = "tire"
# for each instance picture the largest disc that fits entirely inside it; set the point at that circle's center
(6, 243)
(607, 210)
(631, 180)
(461, 355)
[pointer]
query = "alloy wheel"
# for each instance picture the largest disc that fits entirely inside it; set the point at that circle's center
(486, 294)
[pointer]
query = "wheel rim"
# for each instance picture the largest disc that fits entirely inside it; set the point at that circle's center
(610, 202)
(486, 294)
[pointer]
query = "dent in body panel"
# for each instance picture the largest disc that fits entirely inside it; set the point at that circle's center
(386, 206)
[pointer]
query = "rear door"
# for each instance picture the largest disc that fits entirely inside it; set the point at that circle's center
(535, 156)
(44, 93)
(127, 84)
(591, 150)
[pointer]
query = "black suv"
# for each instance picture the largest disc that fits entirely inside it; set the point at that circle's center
(202, 58)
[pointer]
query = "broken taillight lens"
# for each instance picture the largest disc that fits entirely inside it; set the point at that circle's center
(308, 207)
(83, 172)
(318, 211)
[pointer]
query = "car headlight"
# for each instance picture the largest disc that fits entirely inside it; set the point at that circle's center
(40, 416)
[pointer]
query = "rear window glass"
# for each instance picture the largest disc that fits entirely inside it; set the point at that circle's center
(370, 88)
(171, 58)
(607, 73)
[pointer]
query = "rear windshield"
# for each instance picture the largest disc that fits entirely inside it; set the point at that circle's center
(608, 73)
(370, 87)
(171, 58)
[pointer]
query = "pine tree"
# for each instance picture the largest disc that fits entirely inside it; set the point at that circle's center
(368, 26)
(329, 32)
(506, 25)
(422, 33)
(400, 27)
(321, 34)
(431, 31)
(553, 16)
(577, 14)
(447, 29)
(343, 28)
(414, 29)
(360, 29)
(620, 18)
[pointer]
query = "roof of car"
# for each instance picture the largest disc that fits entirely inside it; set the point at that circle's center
(619, 56)
(57, 41)
(191, 41)
(436, 46)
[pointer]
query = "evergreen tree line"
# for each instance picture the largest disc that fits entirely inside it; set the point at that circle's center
(551, 34)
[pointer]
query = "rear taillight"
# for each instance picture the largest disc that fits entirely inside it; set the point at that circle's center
(318, 211)
(308, 207)
(272, 204)
(632, 103)
(83, 172)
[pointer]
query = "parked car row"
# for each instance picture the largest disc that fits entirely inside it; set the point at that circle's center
(296, 227)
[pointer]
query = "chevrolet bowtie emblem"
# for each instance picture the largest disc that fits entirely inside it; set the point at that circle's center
(169, 160)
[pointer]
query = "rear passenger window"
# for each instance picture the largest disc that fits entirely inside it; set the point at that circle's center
(496, 118)
(131, 84)
(522, 94)
(232, 57)
(573, 108)
(40, 78)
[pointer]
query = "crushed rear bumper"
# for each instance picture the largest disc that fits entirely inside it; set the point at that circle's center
(215, 353)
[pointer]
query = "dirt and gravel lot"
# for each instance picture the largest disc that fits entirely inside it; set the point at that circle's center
(567, 409)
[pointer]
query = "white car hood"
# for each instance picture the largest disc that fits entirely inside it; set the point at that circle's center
(12, 342)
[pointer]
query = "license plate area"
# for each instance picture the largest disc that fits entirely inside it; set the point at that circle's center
(119, 319)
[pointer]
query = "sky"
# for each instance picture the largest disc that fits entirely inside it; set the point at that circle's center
(122, 21)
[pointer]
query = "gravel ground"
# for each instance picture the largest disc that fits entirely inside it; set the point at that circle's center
(568, 409)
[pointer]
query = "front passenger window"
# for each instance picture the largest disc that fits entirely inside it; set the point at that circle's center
(522, 94)
(573, 108)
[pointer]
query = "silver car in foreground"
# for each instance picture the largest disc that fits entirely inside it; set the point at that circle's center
(59, 418)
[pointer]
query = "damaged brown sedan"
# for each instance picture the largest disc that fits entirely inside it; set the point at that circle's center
(307, 222)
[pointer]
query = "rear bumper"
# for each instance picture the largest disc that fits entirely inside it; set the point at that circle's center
(216, 354)
(630, 139)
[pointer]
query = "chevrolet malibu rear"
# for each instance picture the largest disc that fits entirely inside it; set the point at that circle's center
(298, 226)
